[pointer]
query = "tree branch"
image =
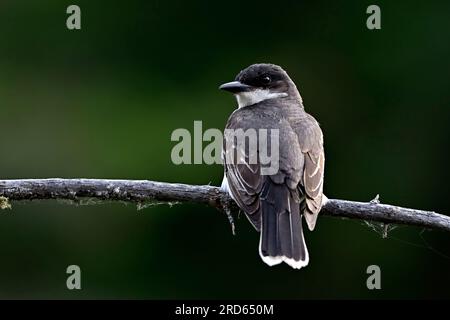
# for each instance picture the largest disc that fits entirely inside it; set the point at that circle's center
(142, 192)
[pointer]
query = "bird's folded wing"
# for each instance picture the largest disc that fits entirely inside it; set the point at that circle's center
(245, 183)
(311, 141)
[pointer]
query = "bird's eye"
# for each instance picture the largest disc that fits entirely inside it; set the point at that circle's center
(266, 80)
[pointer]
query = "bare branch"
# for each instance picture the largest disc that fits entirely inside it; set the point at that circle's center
(143, 191)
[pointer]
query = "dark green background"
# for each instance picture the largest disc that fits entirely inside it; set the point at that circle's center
(102, 102)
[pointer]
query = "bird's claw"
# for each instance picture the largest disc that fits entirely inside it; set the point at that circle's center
(227, 210)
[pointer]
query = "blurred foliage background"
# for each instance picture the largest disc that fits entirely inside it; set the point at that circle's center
(102, 102)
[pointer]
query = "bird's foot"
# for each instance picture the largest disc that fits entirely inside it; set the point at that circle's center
(227, 209)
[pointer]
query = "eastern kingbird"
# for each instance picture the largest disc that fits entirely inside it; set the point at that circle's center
(275, 203)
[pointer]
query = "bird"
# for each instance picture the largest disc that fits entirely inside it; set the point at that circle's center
(275, 203)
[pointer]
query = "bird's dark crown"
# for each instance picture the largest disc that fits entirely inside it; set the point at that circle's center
(263, 75)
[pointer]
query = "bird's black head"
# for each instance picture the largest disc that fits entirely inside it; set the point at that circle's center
(260, 82)
(263, 76)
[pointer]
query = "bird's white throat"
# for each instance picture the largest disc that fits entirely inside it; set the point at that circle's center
(248, 98)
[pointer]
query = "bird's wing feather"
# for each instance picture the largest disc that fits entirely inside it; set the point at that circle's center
(311, 142)
(245, 184)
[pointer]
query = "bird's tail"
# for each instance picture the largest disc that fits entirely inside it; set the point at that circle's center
(281, 228)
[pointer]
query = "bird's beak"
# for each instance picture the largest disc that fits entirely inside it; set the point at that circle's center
(235, 87)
